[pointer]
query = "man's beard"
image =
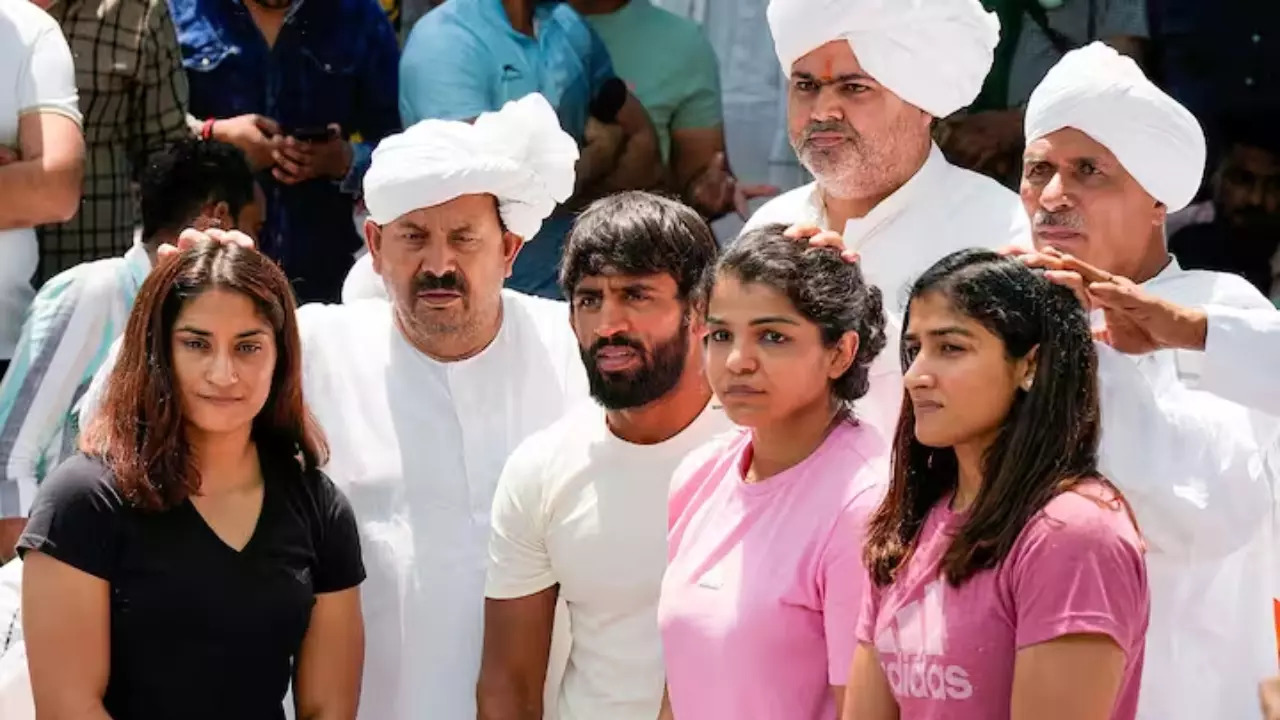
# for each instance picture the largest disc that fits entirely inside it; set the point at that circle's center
(657, 375)
(856, 168)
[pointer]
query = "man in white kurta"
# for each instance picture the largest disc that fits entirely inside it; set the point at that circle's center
(866, 78)
(1108, 156)
(422, 398)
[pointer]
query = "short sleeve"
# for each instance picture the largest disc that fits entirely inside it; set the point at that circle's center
(519, 564)
(868, 610)
(843, 586)
(701, 109)
(1076, 570)
(1122, 18)
(75, 517)
(49, 84)
(339, 564)
(442, 75)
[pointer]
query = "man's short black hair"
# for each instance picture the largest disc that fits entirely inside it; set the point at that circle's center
(639, 233)
(1251, 129)
(187, 175)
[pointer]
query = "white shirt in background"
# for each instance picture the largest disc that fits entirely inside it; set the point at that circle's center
(36, 76)
(417, 445)
(580, 508)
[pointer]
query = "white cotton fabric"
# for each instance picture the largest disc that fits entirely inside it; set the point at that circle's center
(518, 154)
(935, 54)
(1205, 504)
(579, 508)
(1105, 95)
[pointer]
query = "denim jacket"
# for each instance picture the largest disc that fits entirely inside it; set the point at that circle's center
(334, 61)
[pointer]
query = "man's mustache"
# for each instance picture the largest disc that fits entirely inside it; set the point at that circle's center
(616, 341)
(450, 281)
(1066, 219)
(828, 126)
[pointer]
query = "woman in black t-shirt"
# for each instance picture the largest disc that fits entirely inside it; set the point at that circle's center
(193, 559)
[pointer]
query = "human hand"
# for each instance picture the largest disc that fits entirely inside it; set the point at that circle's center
(983, 141)
(1139, 322)
(299, 160)
(817, 237)
(1269, 693)
(255, 135)
(716, 191)
(191, 237)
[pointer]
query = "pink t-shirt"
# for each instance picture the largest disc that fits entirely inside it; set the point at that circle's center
(1077, 567)
(764, 582)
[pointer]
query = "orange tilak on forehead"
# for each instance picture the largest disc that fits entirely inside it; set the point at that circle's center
(828, 71)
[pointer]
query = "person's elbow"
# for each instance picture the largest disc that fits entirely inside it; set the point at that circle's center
(499, 696)
(63, 175)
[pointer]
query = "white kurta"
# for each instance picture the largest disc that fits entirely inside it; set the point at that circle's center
(940, 210)
(1210, 564)
(1242, 357)
(418, 445)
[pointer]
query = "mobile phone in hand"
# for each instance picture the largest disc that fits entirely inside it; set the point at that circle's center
(311, 133)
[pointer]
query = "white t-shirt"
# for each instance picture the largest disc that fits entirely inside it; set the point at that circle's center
(417, 446)
(581, 508)
(36, 76)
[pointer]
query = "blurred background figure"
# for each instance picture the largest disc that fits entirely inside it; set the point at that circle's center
(753, 96)
(1034, 35)
(671, 68)
(289, 83)
(1237, 230)
(41, 151)
(472, 56)
(134, 98)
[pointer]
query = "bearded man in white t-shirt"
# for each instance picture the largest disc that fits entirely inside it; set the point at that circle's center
(580, 513)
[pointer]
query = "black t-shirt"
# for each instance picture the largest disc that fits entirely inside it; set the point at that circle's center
(199, 630)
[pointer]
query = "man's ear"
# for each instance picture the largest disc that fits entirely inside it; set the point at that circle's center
(511, 246)
(373, 240)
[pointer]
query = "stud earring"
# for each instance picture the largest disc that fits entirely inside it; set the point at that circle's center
(1026, 384)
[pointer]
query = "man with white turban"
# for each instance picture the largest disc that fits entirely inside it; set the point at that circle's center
(423, 398)
(1109, 155)
(867, 78)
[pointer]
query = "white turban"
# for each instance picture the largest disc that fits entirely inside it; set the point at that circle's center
(1104, 95)
(934, 54)
(518, 154)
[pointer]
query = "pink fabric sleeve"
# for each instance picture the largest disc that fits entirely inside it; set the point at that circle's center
(842, 586)
(1078, 569)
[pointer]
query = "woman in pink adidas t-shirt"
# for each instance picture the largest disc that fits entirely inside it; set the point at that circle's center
(760, 600)
(1007, 578)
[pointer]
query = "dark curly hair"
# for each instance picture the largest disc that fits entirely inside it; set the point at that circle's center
(828, 291)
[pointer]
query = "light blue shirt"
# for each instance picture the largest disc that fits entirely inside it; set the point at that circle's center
(464, 58)
(71, 325)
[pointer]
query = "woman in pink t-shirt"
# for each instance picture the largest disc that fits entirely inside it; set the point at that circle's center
(1007, 577)
(760, 599)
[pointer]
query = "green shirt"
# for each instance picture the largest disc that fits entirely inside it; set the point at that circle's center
(667, 63)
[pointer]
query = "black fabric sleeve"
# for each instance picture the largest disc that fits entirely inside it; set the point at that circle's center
(75, 517)
(339, 564)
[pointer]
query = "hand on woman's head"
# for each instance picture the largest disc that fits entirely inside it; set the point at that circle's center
(817, 237)
(191, 237)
